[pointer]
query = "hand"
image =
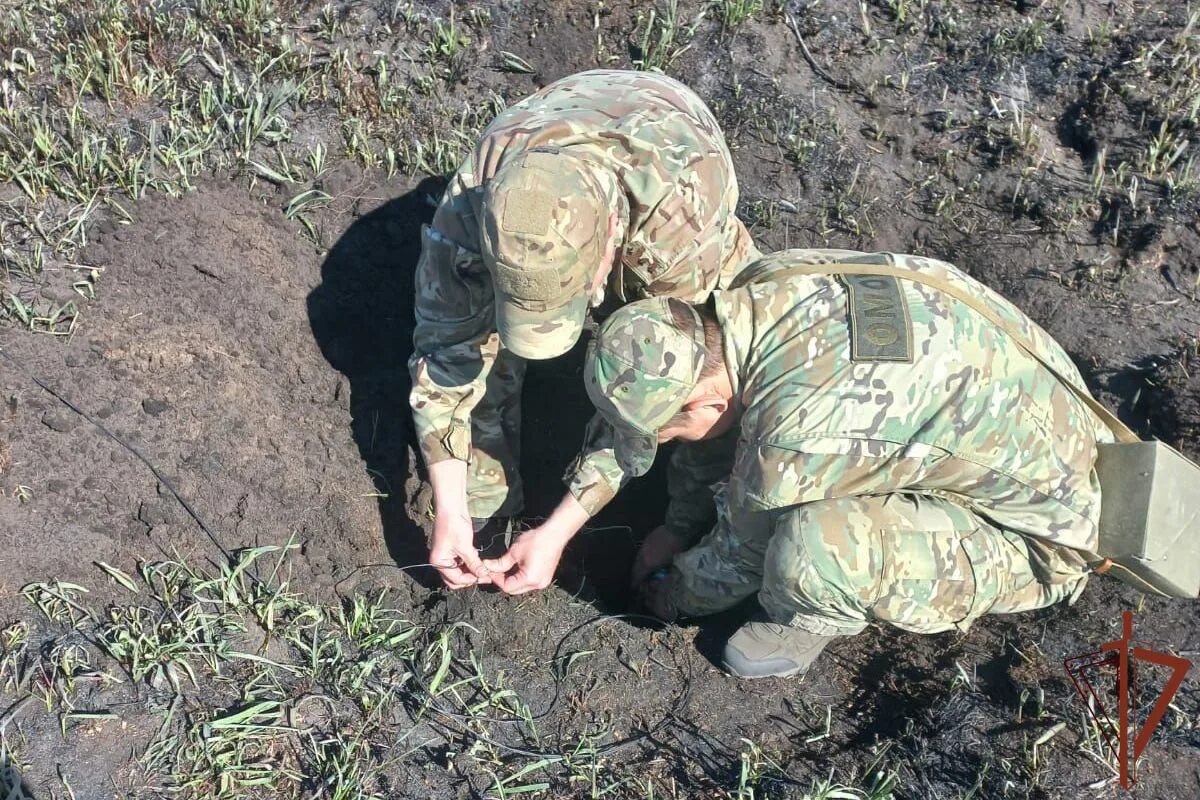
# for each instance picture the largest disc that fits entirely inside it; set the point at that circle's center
(654, 594)
(452, 552)
(659, 549)
(530, 563)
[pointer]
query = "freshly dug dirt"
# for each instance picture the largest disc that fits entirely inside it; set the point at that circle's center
(265, 379)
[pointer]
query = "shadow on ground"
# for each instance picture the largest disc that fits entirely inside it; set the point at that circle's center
(362, 319)
(12, 787)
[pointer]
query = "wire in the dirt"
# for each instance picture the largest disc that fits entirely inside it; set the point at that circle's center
(560, 674)
(453, 720)
(812, 62)
(385, 565)
(495, 538)
(137, 453)
(559, 678)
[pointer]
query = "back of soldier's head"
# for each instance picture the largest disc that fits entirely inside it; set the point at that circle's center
(544, 231)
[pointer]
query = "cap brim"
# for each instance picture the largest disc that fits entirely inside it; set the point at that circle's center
(634, 452)
(538, 335)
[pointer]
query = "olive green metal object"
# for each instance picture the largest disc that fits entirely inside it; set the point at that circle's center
(1150, 515)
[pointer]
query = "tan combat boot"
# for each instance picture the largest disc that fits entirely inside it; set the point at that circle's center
(762, 649)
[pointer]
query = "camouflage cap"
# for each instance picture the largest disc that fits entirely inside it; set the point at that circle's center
(640, 370)
(544, 228)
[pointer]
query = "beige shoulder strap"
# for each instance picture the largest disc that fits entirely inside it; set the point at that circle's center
(1119, 429)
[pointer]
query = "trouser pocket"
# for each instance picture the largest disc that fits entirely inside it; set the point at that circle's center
(928, 580)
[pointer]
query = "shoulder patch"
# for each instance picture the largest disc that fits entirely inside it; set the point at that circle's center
(880, 325)
(528, 212)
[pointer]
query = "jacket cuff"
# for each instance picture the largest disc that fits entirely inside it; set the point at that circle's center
(443, 445)
(593, 493)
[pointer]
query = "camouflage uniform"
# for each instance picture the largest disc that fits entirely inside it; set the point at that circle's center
(647, 145)
(923, 485)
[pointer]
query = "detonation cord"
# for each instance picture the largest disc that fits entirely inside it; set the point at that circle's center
(137, 453)
(559, 678)
(451, 719)
(560, 675)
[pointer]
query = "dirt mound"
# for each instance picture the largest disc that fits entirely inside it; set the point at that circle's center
(201, 356)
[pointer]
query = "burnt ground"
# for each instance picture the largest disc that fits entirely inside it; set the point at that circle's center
(256, 357)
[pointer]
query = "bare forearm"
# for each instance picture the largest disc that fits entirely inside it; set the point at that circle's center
(567, 519)
(449, 481)
(451, 548)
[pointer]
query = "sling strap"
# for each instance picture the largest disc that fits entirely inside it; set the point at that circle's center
(1119, 429)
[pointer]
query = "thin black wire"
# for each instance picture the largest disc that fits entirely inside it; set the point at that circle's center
(559, 672)
(559, 679)
(394, 565)
(379, 565)
(556, 659)
(452, 720)
(137, 453)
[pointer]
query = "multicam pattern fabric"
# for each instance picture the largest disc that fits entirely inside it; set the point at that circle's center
(696, 470)
(831, 567)
(544, 229)
(656, 149)
(973, 420)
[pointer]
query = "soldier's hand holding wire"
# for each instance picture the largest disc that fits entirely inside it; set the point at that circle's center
(452, 552)
(530, 563)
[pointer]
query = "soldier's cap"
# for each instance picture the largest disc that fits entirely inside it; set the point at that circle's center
(641, 369)
(543, 231)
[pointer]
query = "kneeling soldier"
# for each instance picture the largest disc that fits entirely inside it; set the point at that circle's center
(894, 456)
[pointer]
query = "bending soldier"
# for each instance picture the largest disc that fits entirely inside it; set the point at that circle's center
(893, 457)
(605, 183)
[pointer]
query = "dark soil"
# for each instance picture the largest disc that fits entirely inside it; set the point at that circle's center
(265, 379)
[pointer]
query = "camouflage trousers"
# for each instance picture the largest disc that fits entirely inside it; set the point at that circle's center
(918, 562)
(494, 485)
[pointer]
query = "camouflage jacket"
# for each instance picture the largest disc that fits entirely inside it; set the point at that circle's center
(832, 408)
(679, 237)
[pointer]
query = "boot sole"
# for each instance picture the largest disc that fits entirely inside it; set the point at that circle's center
(754, 674)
